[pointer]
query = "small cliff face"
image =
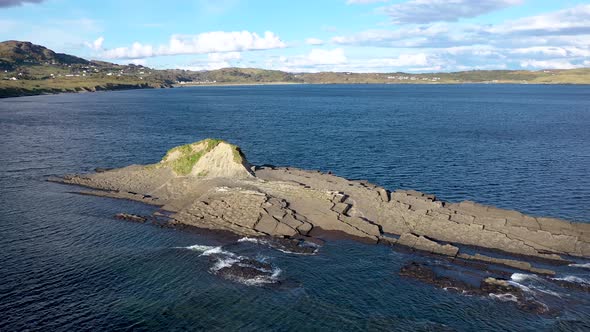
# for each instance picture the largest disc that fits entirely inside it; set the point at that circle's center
(209, 158)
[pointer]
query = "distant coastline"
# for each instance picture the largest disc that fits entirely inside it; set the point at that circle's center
(7, 92)
(27, 69)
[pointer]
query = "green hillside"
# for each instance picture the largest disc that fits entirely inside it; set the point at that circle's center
(29, 69)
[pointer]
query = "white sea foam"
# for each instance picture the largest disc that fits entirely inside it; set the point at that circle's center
(521, 286)
(520, 277)
(209, 250)
(575, 279)
(261, 280)
(253, 240)
(278, 247)
(198, 247)
(225, 259)
(223, 262)
(218, 251)
(256, 281)
(584, 266)
(504, 297)
(546, 291)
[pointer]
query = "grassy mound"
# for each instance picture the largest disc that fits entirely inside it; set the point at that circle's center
(183, 158)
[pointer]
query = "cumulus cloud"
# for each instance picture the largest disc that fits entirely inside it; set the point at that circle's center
(314, 41)
(215, 61)
(208, 42)
(570, 21)
(95, 45)
(316, 57)
(549, 64)
(420, 36)
(14, 3)
(564, 27)
(427, 11)
(335, 60)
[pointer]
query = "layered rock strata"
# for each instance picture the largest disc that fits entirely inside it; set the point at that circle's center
(209, 184)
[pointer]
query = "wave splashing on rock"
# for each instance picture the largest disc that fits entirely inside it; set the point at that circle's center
(231, 266)
(288, 246)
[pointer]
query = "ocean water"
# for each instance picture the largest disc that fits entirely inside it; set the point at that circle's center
(66, 264)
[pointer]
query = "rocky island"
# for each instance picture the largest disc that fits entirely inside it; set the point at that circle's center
(210, 185)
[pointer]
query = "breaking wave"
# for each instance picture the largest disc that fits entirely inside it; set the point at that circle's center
(520, 277)
(584, 266)
(282, 248)
(241, 269)
(538, 284)
(504, 297)
(574, 279)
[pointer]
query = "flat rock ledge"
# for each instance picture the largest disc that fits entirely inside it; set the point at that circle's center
(223, 192)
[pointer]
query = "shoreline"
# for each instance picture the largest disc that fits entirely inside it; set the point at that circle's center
(56, 91)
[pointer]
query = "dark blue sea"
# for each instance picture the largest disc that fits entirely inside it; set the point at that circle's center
(66, 264)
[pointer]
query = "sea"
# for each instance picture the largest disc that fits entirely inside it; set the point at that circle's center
(66, 264)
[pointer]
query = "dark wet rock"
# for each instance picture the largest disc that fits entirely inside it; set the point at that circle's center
(244, 272)
(297, 246)
(495, 287)
(425, 274)
(102, 169)
(131, 217)
(248, 271)
(255, 264)
(572, 285)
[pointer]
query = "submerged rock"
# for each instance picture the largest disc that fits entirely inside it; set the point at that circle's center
(131, 217)
(494, 287)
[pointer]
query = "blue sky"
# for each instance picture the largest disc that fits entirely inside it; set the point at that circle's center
(311, 36)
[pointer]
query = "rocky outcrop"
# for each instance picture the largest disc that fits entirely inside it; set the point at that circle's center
(209, 184)
(423, 243)
(131, 217)
(489, 286)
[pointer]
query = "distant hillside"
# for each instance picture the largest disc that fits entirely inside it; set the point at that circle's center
(29, 69)
(13, 53)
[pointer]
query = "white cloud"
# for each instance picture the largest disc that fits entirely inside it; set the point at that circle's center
(208, 42)
(402, 37)
(14, 3)
(97, 44)
(137, 50)
(327, 57)
(403, 60)
(544, 50)
(335, 60)
(548, 64)
(480, 50)
(139, 62)
(426, 11)
(570, 21)
(559, 38)
(215, 61)
(311, 62)
(314, 41)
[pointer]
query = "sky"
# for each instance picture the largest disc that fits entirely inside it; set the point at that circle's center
(310, 36)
